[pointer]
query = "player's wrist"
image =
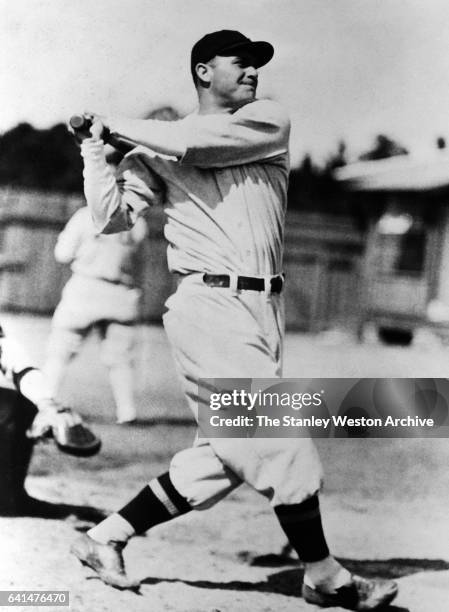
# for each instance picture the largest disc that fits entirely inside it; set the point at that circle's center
(49, 405)
(93, 154)
(91, 147)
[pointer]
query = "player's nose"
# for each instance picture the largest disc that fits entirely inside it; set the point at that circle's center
(251, 71)
(251, 75)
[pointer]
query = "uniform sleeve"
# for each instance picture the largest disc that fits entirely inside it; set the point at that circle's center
(256, 132)
(70, 239)
(117, 201)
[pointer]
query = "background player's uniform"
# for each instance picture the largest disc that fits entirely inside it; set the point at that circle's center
(16, 415)
(103, 293)
(23, 390)
(28, 412)
(225, 205)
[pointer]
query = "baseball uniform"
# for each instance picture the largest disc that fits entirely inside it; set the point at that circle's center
(225, 201)
(22, 388)
(222, 174)
(101, 293)
(29, 412)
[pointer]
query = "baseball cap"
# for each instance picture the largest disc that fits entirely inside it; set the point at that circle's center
(229, 42)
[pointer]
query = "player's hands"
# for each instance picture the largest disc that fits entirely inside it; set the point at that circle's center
(99, 128)
(89, 125)
(51, 415)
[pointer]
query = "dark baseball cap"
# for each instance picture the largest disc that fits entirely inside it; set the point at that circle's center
(229, 42)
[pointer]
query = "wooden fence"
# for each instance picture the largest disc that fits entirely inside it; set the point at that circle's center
(322, 262)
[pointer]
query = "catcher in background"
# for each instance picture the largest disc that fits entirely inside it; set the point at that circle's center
(28, 413)
(102, 294)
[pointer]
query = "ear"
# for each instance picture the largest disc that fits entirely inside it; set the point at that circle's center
(203, 73)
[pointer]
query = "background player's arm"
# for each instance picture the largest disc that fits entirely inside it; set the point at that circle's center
(257, 131)
(117, 201)
(70, 239)
(20, 370)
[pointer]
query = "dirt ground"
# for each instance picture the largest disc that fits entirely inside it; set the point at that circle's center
(385, 502)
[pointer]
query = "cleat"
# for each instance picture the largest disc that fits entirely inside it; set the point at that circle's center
(360, 595)
(106, 560)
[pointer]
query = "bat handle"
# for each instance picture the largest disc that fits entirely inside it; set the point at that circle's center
(80, 126)
(79, 123)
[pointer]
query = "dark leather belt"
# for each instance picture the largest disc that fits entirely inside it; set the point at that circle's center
(244, 283)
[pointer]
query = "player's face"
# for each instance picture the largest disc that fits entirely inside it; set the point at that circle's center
(234, 79)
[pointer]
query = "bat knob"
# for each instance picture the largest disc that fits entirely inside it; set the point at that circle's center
(79, 122)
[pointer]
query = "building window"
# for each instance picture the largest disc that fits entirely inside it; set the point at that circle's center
(400, 244)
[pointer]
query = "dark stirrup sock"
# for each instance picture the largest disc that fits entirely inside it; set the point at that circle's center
(156, 503)
(303, 528)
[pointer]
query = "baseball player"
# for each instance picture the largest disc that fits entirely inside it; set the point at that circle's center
(102, 294)
(222, 175)
(28, 413)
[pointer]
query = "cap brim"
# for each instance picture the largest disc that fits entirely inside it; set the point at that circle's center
(262, 51)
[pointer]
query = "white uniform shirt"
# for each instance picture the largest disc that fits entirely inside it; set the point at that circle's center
(225, 199)
(95, 255)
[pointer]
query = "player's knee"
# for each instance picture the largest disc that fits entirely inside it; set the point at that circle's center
(200, 477)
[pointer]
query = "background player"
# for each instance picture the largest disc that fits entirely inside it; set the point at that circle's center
(102, 294)
(28, 412)
(222, 173)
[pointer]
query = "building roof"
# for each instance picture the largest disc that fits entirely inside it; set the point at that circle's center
(399, 173)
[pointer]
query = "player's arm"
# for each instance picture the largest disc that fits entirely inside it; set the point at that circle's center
(257, 131)
(20, 370)
(116, 201)
(70, 239)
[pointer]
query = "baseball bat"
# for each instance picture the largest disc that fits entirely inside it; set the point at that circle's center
(79, 122)
(81, 125)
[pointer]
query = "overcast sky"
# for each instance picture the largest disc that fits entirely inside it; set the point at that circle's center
(345, 69)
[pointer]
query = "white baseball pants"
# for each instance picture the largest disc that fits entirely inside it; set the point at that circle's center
(217, 333)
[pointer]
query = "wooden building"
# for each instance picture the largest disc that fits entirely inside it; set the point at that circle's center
(405, 275)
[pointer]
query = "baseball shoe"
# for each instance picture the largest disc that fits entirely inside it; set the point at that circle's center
(106, 560)
(360, 595)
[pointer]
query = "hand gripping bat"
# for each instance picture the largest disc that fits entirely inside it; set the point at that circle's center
(81, 124)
